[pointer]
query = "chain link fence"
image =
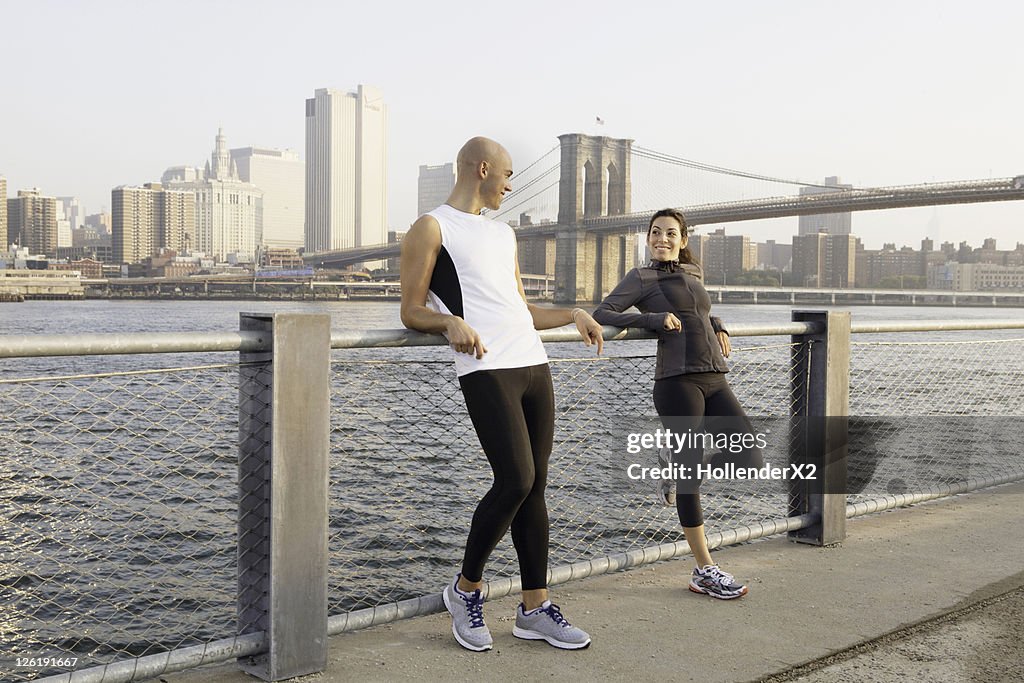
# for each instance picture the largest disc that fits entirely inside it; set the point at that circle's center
(913, 431)
(407, 470)
(120, 490)
(118, 499)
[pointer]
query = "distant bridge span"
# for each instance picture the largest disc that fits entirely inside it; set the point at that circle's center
(871, 199)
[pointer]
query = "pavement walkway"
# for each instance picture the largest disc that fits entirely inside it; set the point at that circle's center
(932, 592)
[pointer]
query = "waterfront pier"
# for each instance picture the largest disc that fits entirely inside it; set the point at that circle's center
(933, 592)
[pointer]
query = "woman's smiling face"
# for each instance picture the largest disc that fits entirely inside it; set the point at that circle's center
(665, 239)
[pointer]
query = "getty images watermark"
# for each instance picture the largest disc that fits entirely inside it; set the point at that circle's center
(726, 443)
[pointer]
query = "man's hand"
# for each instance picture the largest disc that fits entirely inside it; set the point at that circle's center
(723, 341)
(588, 328)
(463, 338)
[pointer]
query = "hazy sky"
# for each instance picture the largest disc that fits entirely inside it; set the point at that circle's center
(98, 94)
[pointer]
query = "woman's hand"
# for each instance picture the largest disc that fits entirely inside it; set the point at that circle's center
(723, 341)
(672, 323)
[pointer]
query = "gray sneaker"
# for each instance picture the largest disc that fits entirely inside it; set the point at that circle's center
(710, 580)
(547, 623)
(467, 617)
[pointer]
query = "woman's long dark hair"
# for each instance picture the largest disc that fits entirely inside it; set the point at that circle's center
(685, 255)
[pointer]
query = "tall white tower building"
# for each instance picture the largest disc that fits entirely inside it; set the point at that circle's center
(346, 169)
(280, 174)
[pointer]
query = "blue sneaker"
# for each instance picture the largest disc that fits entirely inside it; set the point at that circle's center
(467, 617)
(547, 623)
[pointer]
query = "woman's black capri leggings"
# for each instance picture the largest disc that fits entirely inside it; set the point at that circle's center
(701, 401)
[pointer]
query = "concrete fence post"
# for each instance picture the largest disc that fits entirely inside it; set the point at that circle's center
(820, 418)
(284, 426)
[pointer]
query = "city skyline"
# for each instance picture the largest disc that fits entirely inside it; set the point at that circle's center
(914, 93)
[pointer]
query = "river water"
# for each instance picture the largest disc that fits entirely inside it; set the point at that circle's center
(99, 316)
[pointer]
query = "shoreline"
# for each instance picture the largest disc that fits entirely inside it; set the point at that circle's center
(807, 300)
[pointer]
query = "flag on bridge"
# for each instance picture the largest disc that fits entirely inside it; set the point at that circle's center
(600, 121)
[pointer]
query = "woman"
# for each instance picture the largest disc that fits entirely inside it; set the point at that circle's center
(690, 390)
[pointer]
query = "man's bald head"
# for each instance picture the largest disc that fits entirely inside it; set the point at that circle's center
(480, 149)
(485, 168)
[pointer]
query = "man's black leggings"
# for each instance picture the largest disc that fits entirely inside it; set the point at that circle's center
(513, 411)
(693, 402)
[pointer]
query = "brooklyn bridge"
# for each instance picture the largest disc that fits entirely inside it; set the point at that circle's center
(579, 208)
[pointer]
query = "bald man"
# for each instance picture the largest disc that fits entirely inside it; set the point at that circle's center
(460, 278)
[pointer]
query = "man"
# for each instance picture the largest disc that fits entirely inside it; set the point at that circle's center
(466, 264)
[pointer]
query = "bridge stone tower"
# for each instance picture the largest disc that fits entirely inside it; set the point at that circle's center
(595, 178)
(595, 181)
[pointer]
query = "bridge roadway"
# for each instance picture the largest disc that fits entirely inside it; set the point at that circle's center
(860, 297)
(537, 286)
(933, 592)
(870, 199)
(903, 196)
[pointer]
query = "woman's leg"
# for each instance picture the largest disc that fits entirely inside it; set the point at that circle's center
(725, 415)
(679, 401)
(689, 393)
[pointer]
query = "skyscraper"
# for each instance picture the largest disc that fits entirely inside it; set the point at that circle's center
(70, 217)
(229, 211)
(175, 220)
(100, 221)
(32, 222)
(823, 260)
(434, 186)
(73, 211)
(149, 218)
(832, 223)
(346, 169)
(723, 257)
(133, 231)
(4, 244)
(279, 174)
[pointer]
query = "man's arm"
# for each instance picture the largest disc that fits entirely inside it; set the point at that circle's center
(546, 318)
(420, 248)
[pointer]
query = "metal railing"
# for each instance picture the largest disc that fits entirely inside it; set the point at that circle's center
(143, 510)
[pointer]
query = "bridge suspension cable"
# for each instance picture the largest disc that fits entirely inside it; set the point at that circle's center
(518, 197)
(722, 170)
(509, 209)
(539, 159)
(533, 181)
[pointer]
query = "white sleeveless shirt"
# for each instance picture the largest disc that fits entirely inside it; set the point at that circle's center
(475, 278)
